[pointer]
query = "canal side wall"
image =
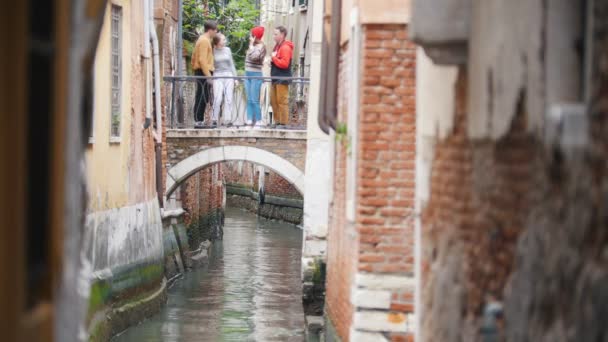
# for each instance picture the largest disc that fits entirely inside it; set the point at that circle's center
(175, 242)
(276, 208)
(202, 198)
(263, 192)
(124, 256)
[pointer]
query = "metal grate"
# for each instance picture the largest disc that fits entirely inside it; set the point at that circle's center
(116, 70)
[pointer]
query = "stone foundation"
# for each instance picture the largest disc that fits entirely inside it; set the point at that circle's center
(275, 208)
(126, 279)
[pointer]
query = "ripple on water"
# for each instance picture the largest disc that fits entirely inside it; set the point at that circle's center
(250, 291)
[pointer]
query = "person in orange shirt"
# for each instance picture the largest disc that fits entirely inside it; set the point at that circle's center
(281, 66)
(203, 65)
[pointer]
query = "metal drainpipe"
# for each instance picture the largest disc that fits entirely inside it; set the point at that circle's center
(146, 56)
(159, 128)
(157, 106)
(330, 57)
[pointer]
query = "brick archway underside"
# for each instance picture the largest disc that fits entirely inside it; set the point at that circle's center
(194, 163)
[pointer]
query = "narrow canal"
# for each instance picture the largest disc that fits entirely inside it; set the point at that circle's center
(250, 291)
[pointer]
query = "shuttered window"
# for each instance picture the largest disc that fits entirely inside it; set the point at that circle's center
(116, 70)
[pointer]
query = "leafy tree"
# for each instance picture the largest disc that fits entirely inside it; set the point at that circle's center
(235, 20)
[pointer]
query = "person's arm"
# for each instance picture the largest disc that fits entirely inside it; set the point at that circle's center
(255, 53)
(282, 57)
(203, 56)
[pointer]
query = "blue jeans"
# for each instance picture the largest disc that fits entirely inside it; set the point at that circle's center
(252, 87)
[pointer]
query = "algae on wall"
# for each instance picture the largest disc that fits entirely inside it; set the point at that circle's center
(205, 227)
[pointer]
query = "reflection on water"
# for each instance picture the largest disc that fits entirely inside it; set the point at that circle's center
(250, 291)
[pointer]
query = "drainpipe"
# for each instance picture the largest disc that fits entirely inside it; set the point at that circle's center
(159, 120)
(156, 58)
(146, 56)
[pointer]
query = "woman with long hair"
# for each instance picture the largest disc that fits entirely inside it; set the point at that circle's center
(254, 62)
(223, 88)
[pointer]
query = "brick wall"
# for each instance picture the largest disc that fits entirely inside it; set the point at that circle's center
(292, 150)
(276, 185)
(242, 173)
(202, 197)
(387, 151)
(246, 174)
(166, 25)
(478, 194)
(342, 246)
(517, 221)
(381, 242)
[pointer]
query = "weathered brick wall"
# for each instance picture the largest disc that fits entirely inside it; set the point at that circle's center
(202, 197)
(276, 185)
(247, 174)
(241, 173)
(519, 221)
(341, 246)
(165, 15)
(142, 162)
(292, 150)
(387, 151)
(479, 195)
(384, 219)
(387, 146)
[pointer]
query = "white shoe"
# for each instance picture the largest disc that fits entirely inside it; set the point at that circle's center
(249, 123)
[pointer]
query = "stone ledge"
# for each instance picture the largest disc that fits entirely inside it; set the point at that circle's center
(269, 199)
(384, 281)
(238, 133)
(363, 336)
(171, 213)
(371, 299)
(376, 321)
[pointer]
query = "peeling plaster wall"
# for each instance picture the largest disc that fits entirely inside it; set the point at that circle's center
(124, 236)
(123, 262)
(512, 200)
(123, 243)
(506, 53)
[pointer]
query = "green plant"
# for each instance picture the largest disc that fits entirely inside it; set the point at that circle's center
(235, 19)
(342, 136)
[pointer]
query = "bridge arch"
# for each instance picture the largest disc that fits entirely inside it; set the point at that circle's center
(194, 163)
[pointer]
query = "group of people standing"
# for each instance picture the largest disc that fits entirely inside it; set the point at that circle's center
(212, 58)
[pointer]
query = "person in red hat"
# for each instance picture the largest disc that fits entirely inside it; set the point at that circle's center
(254, 62)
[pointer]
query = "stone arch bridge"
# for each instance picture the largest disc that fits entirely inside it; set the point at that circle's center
(191, 150)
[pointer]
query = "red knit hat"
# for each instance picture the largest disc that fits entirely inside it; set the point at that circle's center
(258, 32)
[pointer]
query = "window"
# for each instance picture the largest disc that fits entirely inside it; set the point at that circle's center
(116, 71)
(89, 103)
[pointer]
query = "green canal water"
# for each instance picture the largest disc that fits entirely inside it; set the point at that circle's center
(250, 291)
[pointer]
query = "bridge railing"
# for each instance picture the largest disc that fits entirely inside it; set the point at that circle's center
(181, 102)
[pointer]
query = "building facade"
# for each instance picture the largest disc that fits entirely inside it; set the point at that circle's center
(370, 239)
(124, 230)
(511, 169)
